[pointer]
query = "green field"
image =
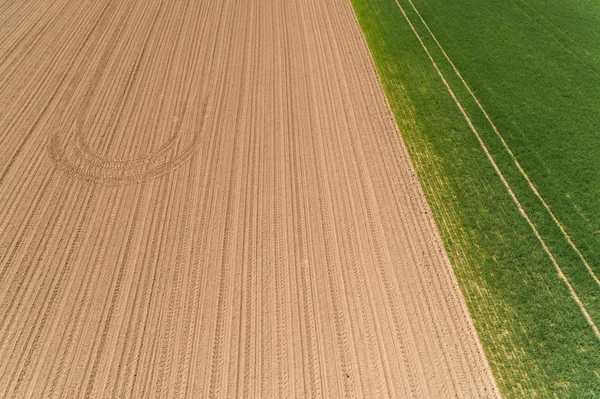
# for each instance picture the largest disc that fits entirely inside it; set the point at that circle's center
(531, 88)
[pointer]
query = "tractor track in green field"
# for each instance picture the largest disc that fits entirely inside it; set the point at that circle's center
(506, 184)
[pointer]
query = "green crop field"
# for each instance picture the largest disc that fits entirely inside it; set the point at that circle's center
(498, 103)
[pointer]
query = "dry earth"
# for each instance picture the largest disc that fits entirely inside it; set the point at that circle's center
(210, 198)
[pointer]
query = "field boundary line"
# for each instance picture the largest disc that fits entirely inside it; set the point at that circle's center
(504, 181)
(507, 148)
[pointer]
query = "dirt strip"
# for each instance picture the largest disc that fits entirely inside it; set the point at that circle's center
(211, 199)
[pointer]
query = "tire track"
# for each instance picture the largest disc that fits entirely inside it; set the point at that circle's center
(51, 299)
(115, 294)
(512, 155)
(79, 318)
(543, 243)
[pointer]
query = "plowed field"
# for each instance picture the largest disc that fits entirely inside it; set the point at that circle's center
(209, 199)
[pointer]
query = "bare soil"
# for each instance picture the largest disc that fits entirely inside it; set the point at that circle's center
(211, 199)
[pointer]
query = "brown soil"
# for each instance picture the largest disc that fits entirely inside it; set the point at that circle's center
(208, 199)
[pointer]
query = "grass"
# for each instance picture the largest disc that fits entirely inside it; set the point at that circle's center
(535, 67)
